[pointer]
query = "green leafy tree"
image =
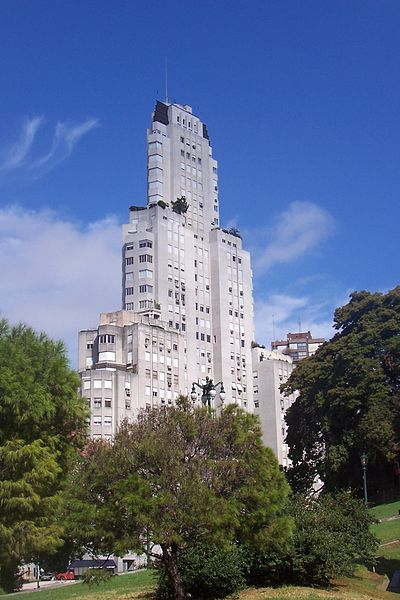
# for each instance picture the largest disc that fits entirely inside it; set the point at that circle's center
(349, 400)
(183, 477)
(42, 423)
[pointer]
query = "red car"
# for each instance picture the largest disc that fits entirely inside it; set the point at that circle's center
(67, 575)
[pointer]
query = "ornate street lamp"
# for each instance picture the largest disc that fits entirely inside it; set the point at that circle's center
(364, 461)
(209, 391)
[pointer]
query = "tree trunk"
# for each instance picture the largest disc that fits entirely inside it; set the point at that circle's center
(170, 560)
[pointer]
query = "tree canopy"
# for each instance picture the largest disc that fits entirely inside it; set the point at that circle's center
(180, 476)
(349, 401)
(42, 422)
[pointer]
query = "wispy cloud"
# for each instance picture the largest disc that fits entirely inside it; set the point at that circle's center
(296, 231)
(20, 155)
(56, 275)
(16, 155)
(64, 140)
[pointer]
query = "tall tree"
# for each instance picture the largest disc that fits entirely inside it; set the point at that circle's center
(180, 476)
(349, 399)
(42, 423)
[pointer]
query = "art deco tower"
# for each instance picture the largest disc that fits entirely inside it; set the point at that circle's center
(187, 305)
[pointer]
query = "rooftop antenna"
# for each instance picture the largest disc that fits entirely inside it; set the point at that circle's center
(166, 80)
(299, 324)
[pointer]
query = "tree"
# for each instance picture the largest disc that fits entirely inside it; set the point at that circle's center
(182, 476)
(42, 422)
(349, 401)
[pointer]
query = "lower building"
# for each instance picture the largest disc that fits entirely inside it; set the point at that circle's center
(270, 370)
(130, 362)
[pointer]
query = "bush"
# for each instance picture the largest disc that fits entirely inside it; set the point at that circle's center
(97, 576)
(208, 572)
(330, 532)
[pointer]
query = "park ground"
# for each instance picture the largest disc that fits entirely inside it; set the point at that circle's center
(365, 585)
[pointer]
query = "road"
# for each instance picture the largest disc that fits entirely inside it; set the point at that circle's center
(29, 587)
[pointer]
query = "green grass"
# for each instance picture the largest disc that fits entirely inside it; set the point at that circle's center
(385, 510)
(124, 586)
(140, 586)
(392, 552)
(387, 531)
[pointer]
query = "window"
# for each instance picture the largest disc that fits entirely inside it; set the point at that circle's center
(89, 345)
(107, 339)
(129, 247)
(145, 303)
(129, 291)
(105, 356)
(96, 420)
(97, 383)
(107, 403)
(145, 258)
(129, 260)
(107, 421)
(145, 273)
(145, 244)
(145, 288)
(97, 403)
(155, 148)
(108, 384)
(129, 306)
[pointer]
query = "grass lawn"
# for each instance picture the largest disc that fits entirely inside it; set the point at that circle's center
(135, 585)
(387, 531)
(385, 510)
(141, 586)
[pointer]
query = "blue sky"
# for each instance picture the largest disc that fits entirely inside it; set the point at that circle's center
(301, 100)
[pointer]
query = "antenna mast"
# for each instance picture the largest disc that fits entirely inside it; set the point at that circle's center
(166, 80)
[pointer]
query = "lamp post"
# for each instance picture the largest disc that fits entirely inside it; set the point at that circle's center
(209, 391)
(37, 574)
(364, 461)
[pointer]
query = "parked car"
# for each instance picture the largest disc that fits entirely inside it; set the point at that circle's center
(47, 576)
(65, 576)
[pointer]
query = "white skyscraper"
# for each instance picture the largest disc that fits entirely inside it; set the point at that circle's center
(186, 288)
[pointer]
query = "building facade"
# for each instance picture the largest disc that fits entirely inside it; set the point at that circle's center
(298, 345)
(270, 370)
(187, 300)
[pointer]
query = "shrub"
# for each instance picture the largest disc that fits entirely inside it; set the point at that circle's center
(208, 572)
(97, 576)
(330, 532)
